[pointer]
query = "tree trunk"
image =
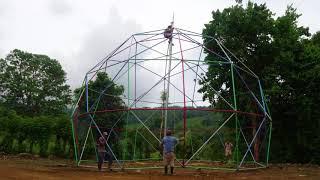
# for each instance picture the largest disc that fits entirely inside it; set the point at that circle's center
(31, 147)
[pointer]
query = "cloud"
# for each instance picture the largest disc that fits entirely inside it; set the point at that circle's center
(3, 8)
(60, 7)
(98, 43)
(80, 33)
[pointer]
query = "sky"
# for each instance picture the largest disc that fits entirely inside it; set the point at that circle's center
(80, 32)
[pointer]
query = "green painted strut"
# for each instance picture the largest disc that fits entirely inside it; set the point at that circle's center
(235, 108)
(72, 128)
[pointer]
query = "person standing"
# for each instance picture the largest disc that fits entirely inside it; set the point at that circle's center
(168, 144)
(101, 147)
(108, 157)
(228, 150)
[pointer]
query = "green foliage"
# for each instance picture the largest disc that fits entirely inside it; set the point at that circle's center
(62, 129)
(280, 53)
(247, 32)
(103, 94)
(155, 155)
(33, 134)
(109, 99)
(33, 84)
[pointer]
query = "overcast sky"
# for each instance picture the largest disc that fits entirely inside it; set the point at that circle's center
(77, 32)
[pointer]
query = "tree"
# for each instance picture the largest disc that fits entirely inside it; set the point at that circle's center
(103, 94)
(247, 33)
(33, 84)
(287, 62)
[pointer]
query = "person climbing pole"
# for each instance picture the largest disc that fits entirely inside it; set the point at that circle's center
(168, 32)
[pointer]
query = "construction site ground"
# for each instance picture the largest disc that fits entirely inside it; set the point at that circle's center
(14, 167)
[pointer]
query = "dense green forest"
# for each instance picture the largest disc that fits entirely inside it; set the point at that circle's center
(35, 99)
(286, 57)
(33, 110)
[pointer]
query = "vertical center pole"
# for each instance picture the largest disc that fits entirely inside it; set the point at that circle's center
(184, 105)
(168, 87)
(128, 96)
(135, 76)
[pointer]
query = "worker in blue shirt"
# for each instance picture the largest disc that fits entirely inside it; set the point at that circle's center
(168, 144)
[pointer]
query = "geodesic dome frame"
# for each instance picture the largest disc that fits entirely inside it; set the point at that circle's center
(148, 64)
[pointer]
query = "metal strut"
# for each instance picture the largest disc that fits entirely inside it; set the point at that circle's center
(168, 34)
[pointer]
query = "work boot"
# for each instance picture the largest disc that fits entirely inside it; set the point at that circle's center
(171, 169)
(165, 169)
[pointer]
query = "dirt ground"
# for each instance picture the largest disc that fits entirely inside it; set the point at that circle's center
(17, 168)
